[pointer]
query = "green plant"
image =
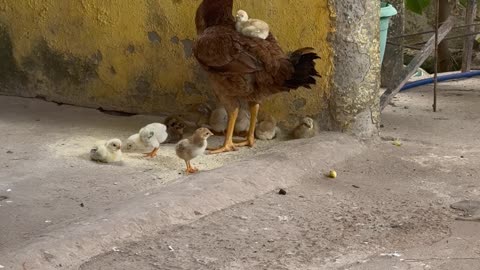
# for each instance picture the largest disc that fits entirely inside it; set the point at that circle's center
(417, 6)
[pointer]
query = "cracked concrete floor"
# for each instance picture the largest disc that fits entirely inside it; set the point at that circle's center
(388, 208)
(47, 180)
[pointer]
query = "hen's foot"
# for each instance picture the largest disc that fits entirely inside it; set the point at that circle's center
(223, 149)
(249, 142)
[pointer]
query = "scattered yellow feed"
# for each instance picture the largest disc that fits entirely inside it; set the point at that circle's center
(332, 174)
(397, 143)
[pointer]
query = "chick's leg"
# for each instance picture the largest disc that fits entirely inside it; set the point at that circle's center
(228, 145)
(251, 131)
(190, 168)
(152, 154)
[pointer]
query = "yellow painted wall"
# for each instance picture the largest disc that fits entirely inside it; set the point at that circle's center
(136, 55)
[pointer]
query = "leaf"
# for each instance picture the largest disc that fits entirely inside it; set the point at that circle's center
(417, 6)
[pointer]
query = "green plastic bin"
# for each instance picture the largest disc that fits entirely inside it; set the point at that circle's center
(387, 11)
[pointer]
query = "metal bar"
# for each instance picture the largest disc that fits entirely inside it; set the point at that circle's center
(403, 76)
(412, 35)
(448, 38)
(435, 65)
(406, 46)
(465, 35)
(469, 40)
(432, 31)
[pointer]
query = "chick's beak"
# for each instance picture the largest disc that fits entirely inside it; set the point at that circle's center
(307, 125)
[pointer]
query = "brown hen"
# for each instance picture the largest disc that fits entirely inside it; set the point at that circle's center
(243, 68)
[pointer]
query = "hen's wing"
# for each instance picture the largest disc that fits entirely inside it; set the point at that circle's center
(222, 49)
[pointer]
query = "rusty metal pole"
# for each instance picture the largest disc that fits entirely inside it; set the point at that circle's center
(435, 76)
(469, 39)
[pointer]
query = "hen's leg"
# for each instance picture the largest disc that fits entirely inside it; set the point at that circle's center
(152, 154)
(251, 131)
(228, 145)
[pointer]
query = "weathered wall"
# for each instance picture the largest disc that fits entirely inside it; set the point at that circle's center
(136, 56)
(354, 106)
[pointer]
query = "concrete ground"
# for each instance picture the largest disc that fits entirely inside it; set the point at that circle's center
(388, 208)
(46, 177)
(58, 208)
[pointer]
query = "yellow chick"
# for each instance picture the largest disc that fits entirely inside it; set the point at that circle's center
(107, 151)
(306, 129)
(266, 129)
(190, 148)
(251, 27)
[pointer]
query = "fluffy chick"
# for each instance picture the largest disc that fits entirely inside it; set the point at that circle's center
(251, 27)
(175, 128)
(306, 129)
(190, 148)
(133, 143)
(152, 136)
(243, 122)
(218, 120)
(107, 151)
(266, 129)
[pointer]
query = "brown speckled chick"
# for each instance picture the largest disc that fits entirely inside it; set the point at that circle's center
(175, 128)
(306, 129)
(190, 148)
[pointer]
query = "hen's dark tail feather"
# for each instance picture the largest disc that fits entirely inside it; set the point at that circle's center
(303, 61)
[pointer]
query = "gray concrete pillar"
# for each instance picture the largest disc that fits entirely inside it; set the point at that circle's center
(354, 103)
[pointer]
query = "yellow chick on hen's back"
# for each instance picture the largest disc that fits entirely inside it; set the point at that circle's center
(251, 27)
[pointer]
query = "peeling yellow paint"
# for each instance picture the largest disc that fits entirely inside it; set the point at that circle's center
(119, 31)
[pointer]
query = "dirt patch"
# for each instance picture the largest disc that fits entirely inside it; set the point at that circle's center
(315, 223)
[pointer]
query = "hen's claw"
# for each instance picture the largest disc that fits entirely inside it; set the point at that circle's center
(223, 149)
(249, 143)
